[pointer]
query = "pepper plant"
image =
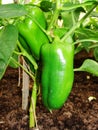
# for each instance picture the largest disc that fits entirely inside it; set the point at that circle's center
(48, 34)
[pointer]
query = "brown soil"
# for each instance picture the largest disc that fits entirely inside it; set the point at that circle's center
(78, 112)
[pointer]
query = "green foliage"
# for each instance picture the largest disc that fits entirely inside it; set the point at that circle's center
(96, 53)
(12, 11)
(89, 66)
(87, 37)
(46, 5)
(8, 40)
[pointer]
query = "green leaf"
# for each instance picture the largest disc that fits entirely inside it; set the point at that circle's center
(89, 66)
(12, 10)
(78, 48)
(8, 40)
(46, 5)
(69, 6)
(86, 33)
(71, 17)
(67, 19)
(96, 53)
(86, 37)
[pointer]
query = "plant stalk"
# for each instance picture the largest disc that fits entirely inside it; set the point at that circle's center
(23, 68)
(78, 23)
(55, 16)
(77, 69)
(87, 40)
(32, 110)
(30, 57)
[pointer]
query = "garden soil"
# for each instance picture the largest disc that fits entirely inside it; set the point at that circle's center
(80, 111)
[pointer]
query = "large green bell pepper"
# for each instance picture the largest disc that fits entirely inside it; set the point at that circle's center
(57, 73)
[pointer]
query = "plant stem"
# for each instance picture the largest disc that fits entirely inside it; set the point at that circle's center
(93, 46)
(78, 23)
(32, 110)
(69, 8)
(55, 15)
(77, 69)
(87, 40)
(23, 68)
(30, 57)
(32, 113)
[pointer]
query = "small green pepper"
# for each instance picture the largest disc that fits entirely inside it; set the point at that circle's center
(31, 32)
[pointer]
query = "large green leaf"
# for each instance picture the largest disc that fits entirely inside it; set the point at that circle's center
(8, 40)
(12, 10)
(89, 66)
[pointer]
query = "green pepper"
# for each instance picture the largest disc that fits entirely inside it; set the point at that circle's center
(32, 33)
(36, 13)
(26, 47)
(24, 44)
(57, 73)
